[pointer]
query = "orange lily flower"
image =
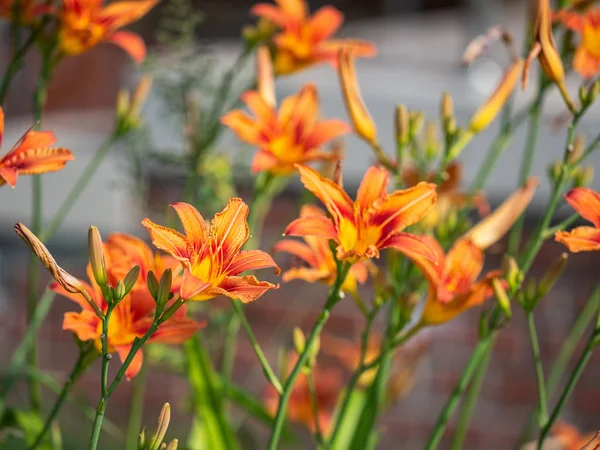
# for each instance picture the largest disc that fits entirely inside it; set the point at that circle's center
(452, 277)
(288, 136)
(583, 239)
(134, 314)
(449, 198)
(31, 155)
(29, 10)
(587, 56)
(328, 385)
(371, 223)
(570, 437)
(211, 258)
(86, 23)
(317, 253)
(303, 40)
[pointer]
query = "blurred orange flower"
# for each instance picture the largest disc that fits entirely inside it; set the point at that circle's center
(583, 239)
(133, 316)
(288, 136)
(587, 56)
(328, 385)
(29, 10)
(31, 155)
(86, 23)
(317, 253)
(452, 278)
(570, 437)
(371, 223)
(212, 258)
(304, 40)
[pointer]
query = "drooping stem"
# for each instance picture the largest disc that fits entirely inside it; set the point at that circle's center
(78, 369)
(332, 299)
(84, 178)
(452, 402)
(539, 370)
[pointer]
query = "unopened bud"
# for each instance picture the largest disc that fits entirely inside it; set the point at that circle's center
(432, 143)
(402, 122)
(417, 120)
(555, 171)
(65, 279)
(119, 290)
(122, 103)
(172, 445)
(299, 340)
(511, 272)
(583, 176)
(359, 115)
(142, 439)
(131, 278)
(161, 427)
(152, 285)
(576, 149)
(502, 297)
(552, 275)
(164, 287)
(447, 110)
(96, 252)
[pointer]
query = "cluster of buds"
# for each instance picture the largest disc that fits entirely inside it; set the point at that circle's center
(578, 174)
(129, 107)
(155, 441)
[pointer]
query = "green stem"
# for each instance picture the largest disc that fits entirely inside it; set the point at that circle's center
(539, 370)
(78, 188)
(468, 407)
(136, 408)
(474, 361)
(229, 348)
(332, 299)
(78, 369)
(561, 226)
(315, 410)
(514, 238)
(271, 377)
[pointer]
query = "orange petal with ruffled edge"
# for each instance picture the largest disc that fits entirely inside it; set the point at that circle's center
(251, 260)
(168, 240)
(299, 250)
(372, 187)
(464, 263)
(122, 251)
(136, 362)
(244, 126)
(325, 22)
(192, 286)
(586, 63)
(246, 288)
(580, 239)
(414, 247)
(84, 324)
(326, 131)
(586, 202)
(35, 139)
(131, 43)
(312, 226)
(335, 199)
(196, 228)
(308, 274)
(494, 226)
(230, 229)
(404, 208)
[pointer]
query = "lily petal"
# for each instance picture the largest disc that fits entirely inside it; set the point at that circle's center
(196, 228)
(246, 288)
(373, 187)
(84, 324)
(244, 126)
(414, 247)
(464, 263)
(269, 12)
(251, 260)
(586, 202)
(136, 362)
(312, 226)
(121, 13)
(257, 104)
(580, 239)
(176, 330)
(325, 22)
(326, 131)
(192, 286)
(230, 229)
(168, 240)
(131, 43)
(308, 274)
(298, 249)
(77, 298)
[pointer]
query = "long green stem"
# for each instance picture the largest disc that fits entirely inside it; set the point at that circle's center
(468, 407)
(136, 408)
(526, 163)
(229, 348)
(315, 411)
(239, 311)
(78, 369)
(78, 188)
(539, 370)
(332, 300)
(451, 404)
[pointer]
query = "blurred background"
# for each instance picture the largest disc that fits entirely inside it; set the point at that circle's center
(420, 43)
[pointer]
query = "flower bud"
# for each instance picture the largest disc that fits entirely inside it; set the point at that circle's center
(152, 285)
(131, 278)
(172, 445)
(359, 115)
(65, 279)
(140, 94)
(447, 113)
(161, 427)
(576, 149)
(432, 143)
(501, 297)
(490, 109)
(299, 340)
(265, 82)
(552, 275)
(142, 439)
(96, 252)
(555, 171)
(583, 176)
(119, 291)
(164, 288)
(402, 122)
(417, 120)
(511, 272)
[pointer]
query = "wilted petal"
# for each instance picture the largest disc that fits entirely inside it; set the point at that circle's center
(251, 260)
(580, 239)
(586, 202)
(169, 240)
(494, 226)
(246, 288)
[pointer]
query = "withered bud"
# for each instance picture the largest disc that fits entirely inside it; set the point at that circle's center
(402, 125)
(65, 279)
(96, 253)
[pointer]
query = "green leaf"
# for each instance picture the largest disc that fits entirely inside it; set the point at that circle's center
(357, 402)
(31, 425)
(211, 429)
